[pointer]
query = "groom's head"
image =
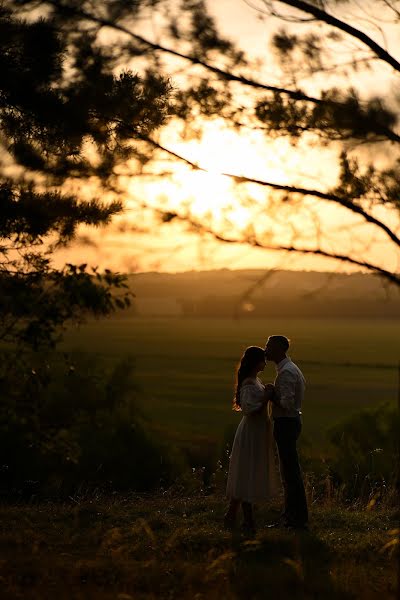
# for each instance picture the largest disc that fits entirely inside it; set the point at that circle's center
(276, 348)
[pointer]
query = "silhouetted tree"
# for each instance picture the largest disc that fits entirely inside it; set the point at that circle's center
(313, 97)
(67, 119)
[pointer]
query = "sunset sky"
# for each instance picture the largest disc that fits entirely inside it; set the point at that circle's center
(135, 242)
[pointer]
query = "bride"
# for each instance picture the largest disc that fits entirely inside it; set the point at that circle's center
(252, 475)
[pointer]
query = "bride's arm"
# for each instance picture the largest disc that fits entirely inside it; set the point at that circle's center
(252, 399)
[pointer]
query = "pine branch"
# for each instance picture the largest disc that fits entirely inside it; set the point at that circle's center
(329, 19)
(296, 95)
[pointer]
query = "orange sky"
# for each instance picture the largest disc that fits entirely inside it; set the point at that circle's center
(171, 247)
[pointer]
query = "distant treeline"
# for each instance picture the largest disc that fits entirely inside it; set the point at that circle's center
(256, 293)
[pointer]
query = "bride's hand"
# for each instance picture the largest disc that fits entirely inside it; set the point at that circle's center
(269, 391)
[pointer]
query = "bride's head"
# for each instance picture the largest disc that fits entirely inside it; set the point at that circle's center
(251, 362)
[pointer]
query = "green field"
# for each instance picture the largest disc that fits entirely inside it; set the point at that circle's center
(185, 368)
(170, 543)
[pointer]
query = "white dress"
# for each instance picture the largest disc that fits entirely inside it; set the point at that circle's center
(253, 475)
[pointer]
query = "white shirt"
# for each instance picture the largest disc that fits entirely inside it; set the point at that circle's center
(289, 388)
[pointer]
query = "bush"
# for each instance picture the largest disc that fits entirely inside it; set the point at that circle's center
(64, 424)
(366, 445)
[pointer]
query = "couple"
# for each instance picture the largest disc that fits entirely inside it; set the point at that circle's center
(252, 476)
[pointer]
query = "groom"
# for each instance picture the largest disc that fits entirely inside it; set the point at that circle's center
(286, 411)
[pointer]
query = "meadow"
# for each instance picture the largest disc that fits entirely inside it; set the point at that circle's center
(98, 542)
(133, 548)
(184, 368)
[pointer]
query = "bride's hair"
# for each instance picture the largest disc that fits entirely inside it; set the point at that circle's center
(251, 356)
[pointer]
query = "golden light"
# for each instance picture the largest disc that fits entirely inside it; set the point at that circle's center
(217, 203)
(210, 193)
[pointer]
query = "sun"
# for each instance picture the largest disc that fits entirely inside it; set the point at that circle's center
(209, 192)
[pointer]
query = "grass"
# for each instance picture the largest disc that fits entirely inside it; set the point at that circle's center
(185, 367)
(165, 546)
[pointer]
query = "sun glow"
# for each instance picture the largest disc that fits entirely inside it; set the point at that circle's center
(210, 192)
(214, 201)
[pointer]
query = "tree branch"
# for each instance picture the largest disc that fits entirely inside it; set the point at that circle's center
(290, 189)
(297, 95)
(392, 277)
(390, 5)
(322, 15)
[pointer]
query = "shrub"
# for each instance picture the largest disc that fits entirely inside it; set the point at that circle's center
(64, 424)
(366, 445)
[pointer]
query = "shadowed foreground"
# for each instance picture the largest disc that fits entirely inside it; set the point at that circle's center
(176, 548)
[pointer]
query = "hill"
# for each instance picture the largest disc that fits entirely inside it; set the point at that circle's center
(257, 293)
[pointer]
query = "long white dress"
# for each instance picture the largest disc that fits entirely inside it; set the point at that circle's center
(253, 475)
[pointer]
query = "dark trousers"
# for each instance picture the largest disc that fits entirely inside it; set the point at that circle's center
(286, 433)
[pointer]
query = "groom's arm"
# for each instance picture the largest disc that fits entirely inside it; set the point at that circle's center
(287, 390)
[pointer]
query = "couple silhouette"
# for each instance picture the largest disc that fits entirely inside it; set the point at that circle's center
(271, 413)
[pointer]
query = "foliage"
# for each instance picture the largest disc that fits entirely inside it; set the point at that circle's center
(67, 120)
(36, 305)
(367, 450)
(315, 88)
(68, 423)
(73, 111)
